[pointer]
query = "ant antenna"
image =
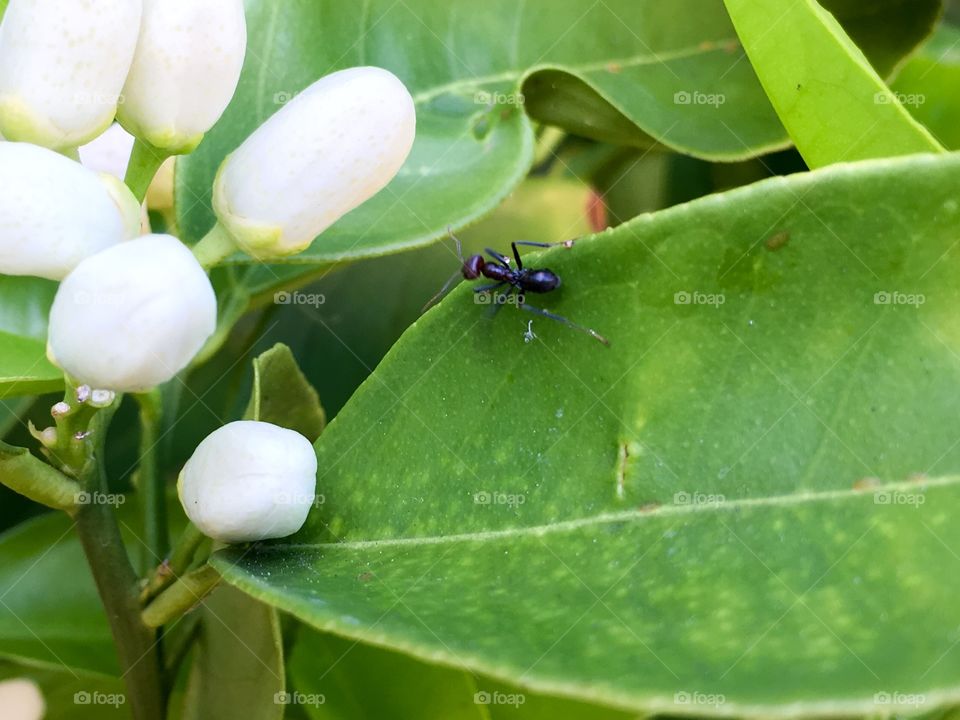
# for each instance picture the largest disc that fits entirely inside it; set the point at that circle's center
(457, 241)
(453, 277)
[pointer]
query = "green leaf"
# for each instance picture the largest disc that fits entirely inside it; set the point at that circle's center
(238, 670)
(643, 611)
(626, 71)
(927, 85)
(31, 477)
(832, 102)
(337, 678)
(346, 680)
(281, 394)
(24, 306)
(679, 512)
(50, 614)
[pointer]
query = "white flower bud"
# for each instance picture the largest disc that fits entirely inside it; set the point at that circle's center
(54, 212)
(249, 481)
(21, 699)
(185, 70)
(131, 317)
(332, 147)
(62, 67)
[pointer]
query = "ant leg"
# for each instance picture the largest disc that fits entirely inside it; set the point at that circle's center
(502, 259)
(487, 288)
(559, 318)
(440, 292)
(531, 243)
(516, 255)
(453, 277)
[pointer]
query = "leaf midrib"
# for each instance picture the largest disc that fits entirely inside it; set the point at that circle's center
(626, 516)
(702, 48)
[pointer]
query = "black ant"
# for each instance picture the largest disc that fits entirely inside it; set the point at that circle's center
(521, 281)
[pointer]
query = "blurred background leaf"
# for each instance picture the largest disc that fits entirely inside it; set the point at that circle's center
(472, 66)
(927, 85)
(24, 306)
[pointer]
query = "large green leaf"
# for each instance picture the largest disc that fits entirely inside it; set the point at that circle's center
(333, 678)
(24, 306)
(50, 614)
(645, 67)
(831, 100)
(679, 512)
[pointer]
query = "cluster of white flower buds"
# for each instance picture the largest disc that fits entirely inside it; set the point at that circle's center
(133, 310)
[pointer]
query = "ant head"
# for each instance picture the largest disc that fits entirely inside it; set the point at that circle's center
(473, 267)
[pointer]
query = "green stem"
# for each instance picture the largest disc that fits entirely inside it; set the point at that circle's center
(214, 247)
(151, 487)
(181, 597)
(116, 583)
(145, 160)
(176, 565)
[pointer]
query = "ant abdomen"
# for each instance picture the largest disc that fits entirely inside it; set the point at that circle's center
(541, 281)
